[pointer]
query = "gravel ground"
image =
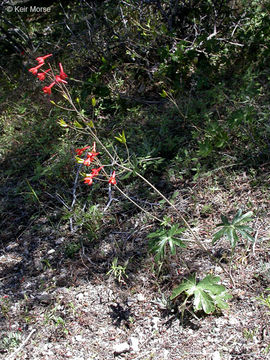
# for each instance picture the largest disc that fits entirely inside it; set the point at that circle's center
(55, 306)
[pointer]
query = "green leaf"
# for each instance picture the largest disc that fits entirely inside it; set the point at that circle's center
(121, 138)
(94, 101)
(218, 235)
(77, 124)
(208, 294)
(220, 300)
(203, 301)
(231, 230)
(246, 235)
(242, 218)
(184, 286)
(210, 283)
(164, 94)
(163, 238)
(225, 220)
(90, 124)
(62, 123)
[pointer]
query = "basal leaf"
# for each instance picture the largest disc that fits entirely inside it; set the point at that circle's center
(244, 227)
(224, 219)
(218, 235)
(210, 283)
(220, 299)
(208, 294)
(203, 301)
(246, 235)
(237, 216)
(242, 218)
(184, 286)
(163, 237)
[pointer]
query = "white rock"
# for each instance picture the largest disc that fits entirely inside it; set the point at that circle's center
(121, 348)
(51, 251)
(141, 297)
(80, 296)
(233, 321)
(59, 241)
(165, 354)
(216, 356)
(155, 321)
(78, 338)
(134, 343)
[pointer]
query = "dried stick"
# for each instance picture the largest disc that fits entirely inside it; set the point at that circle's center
(21, 346)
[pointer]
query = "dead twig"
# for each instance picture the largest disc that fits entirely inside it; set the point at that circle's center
(12, 356)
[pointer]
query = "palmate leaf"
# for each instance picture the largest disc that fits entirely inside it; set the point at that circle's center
(208, 294)
(162, 238)
(231, 230)
(239, 218)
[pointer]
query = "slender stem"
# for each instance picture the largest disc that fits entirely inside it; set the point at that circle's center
(114, 161)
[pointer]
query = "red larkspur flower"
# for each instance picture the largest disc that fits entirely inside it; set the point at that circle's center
(59, 79)
(80, 151)
(42, 75)
(34, 70)
(48, 89)
(88, 180)
(112, 179)
(87, 162)
(90, 158)
(62, 74)
(95, 172)
(41, 59)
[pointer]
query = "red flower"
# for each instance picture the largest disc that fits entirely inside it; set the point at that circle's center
(88, 180)
(87, 162)
(90, 158)
(48, 89)
(42, 75)
(59, 79)
(34, 70)
(79, 152)
(62, 74)
(112, 179)
(41, 59)
(95, 172)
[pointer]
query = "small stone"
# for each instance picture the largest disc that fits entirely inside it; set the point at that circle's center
(134, 343)
(38, 264)
(233, 321)
(130, 301)
(216, 356)
(44, 298)
(141, 297)
(165, 354)
(121, 348)
(59, 241)
(51, 251)
(11, 246)
(78, 338)
(80, 296)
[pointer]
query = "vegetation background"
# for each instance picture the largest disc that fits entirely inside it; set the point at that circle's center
(187, 82)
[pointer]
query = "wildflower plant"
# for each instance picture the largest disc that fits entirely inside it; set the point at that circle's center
(231, 230)
(208, 295)
(102, 164)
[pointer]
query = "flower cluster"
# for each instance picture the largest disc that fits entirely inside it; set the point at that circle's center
(90, 157)
(42, 75)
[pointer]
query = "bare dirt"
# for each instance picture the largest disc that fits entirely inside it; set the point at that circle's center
(59, 302)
